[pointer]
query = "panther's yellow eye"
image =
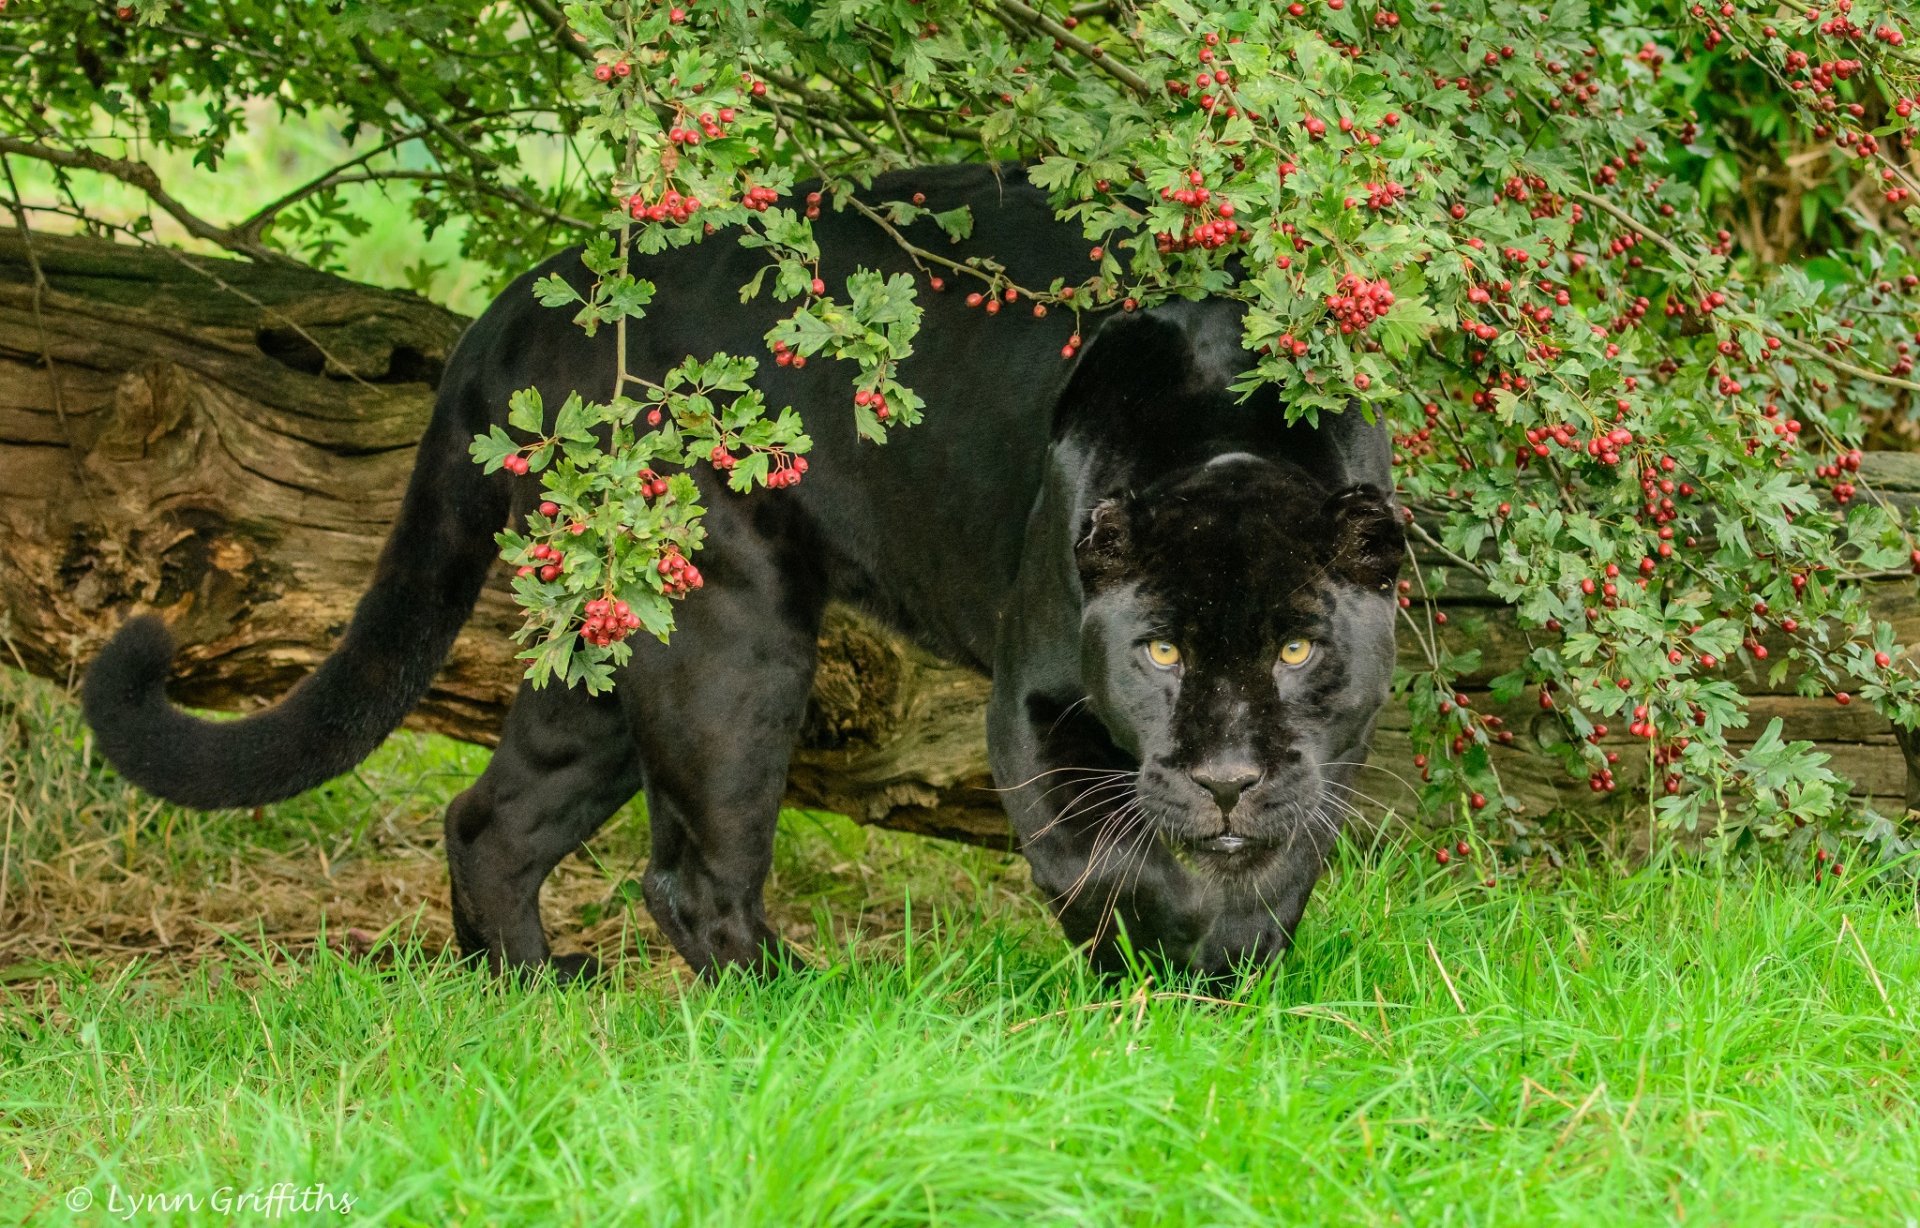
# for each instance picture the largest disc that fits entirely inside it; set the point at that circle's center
(1163, 654)
(1295, 652)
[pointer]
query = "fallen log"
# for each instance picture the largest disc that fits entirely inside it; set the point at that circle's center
(226, 444)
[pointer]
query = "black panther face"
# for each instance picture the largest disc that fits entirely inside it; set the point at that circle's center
(1237, 643)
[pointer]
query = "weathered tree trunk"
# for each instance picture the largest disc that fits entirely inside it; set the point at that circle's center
(227, 444)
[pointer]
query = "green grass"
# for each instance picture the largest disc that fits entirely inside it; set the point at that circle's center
(1600, 1047)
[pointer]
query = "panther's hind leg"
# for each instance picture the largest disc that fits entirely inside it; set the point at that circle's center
(566, 762)
(716, 713)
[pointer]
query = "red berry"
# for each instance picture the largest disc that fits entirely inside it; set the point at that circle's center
(549, 509)
(1443, 857)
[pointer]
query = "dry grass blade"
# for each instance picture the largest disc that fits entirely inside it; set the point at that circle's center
(1847, 929)
(1454, 993)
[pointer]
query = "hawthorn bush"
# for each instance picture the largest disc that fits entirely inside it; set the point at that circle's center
(1505, 228)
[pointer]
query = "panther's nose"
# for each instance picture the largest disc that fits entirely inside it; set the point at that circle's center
(1226, 781)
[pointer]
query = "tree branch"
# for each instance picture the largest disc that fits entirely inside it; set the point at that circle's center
(1097, 56)
(143, 177)
(557, 22)
(1819, 355)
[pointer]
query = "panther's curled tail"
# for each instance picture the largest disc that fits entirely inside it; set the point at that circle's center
(426, 583)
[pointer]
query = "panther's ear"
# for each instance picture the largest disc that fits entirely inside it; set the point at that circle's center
(1105, 541)
(1369, 541)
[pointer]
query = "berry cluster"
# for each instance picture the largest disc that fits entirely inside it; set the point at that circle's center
(608, 622)
(651, 484)
(548, 562)
(759, 199)
(676, 574)
(712, 123)
(787, 471)
(1379, 196)
(1211, 223)
(1843, 464)
(670, 207)
(1357, 302)
(876, 401)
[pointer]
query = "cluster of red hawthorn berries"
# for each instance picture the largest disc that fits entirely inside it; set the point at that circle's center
(1210, 78)
(1416, 444)
(1356, 303)
(759, 199)
(722, 459)
(671, 206)
(651, 484)
(1478, 727)
(783, 356)
(1211, 223)
(548, 562)
(1380, 195)
(788, 470)
(712, 123)
(872, 399)
(676, 574)
(516, 464)
(608, 622)
(1842, 464)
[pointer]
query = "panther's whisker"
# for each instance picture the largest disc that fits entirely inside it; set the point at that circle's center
(1361, 794)
(1107, 910)
(1042, 775)
(1065, 713)
(1088, 795)
(1066, 812)
(1105, 839)
(1373, 767)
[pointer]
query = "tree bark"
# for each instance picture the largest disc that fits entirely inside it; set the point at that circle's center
(226, 444)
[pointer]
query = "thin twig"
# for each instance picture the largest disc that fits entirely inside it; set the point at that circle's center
(1819, 355)
(1096, 56)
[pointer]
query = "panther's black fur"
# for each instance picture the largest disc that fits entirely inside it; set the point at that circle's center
(1047, 522)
